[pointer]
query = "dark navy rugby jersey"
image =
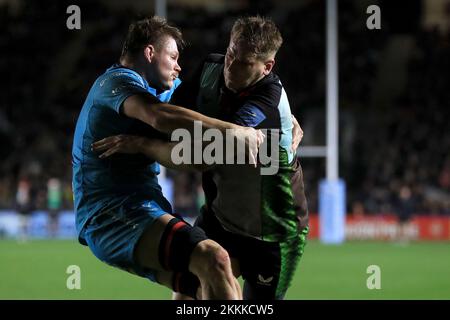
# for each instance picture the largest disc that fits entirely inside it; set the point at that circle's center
(267, 207)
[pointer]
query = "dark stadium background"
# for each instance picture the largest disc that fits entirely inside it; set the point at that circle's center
(394, 108)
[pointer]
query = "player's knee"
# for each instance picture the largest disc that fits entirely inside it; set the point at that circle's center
(211, 258)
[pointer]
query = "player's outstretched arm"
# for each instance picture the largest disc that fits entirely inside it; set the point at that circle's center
(167, 118)
(156, 149)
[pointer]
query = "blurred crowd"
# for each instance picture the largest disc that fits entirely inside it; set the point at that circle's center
(406, 151)
(393, 158)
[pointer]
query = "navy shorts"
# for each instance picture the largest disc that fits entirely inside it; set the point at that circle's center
(267, 268)
(112, 234)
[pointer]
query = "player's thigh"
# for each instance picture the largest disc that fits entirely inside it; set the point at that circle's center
(169, 243)
(147, 248)
(113, 235)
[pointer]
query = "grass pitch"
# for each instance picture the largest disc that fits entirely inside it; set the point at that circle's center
(37, 270)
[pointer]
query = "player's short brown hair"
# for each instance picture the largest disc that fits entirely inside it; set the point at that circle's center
(149, 31)
(259, 33)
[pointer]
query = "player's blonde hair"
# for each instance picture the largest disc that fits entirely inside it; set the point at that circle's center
(260, 34)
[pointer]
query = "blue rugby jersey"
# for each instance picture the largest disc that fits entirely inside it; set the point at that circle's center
(100, 184)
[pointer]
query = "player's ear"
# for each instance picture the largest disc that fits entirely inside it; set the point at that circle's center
(268, 66)
(149, 52)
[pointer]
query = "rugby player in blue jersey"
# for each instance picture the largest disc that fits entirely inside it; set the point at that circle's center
(121, 213)
(261, 220)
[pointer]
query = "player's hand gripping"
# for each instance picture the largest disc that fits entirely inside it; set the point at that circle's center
(135, 144)
(252, 139)
(121, 143)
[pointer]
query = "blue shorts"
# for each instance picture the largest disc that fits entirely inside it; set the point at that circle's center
(112, 234)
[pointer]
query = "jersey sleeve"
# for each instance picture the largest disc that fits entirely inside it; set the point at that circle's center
(115, 89)
(249, 115)
(260, 108)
